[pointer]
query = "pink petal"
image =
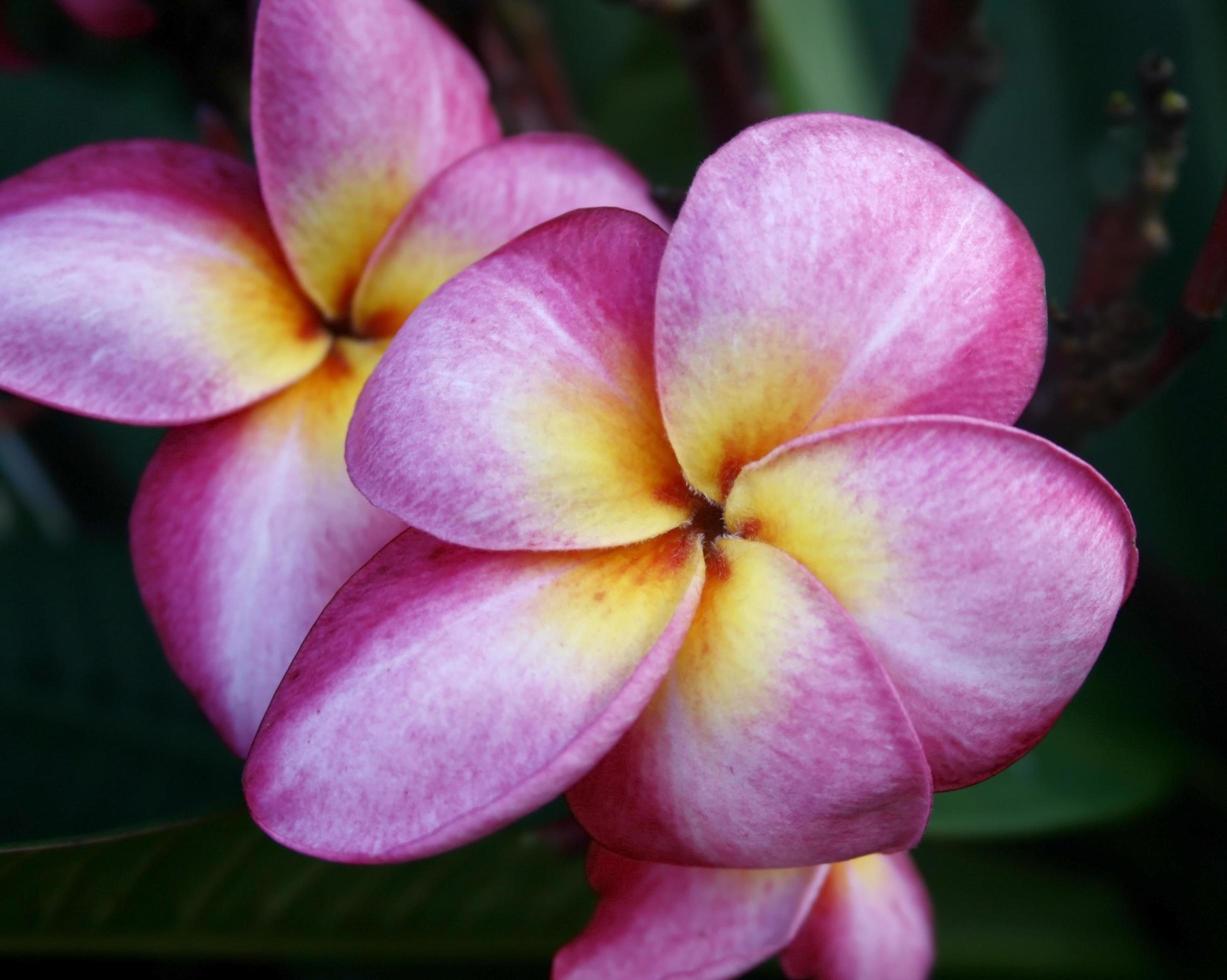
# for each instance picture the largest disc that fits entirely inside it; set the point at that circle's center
(872, 921)
(111, 18)
(242, 531)
(826, 269)
(983, 565)
(482, 202)
(355, 106)
(776, 741)
(659, 920)
(445, 692)
(140, 282)
(517, 410)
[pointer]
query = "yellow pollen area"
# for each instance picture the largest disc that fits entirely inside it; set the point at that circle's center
(262, 315)
(871, 873)
(795, 503)
(614, 602)
(592, 434)
(319, 406)
(407, 268)
(748, 394)
(335, 227)
(724, 667)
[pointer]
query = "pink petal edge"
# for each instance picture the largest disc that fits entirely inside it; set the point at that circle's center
(995, 565)
(355, 107)
(445, 692)
(655, 921)
(244, 528)
(140, 282)
(826, 269)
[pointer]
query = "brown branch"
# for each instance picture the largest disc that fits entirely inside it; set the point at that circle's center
(1099, 367)
(1205, 293)
(949, 68)
(1126, 234)
(1191, 324)
(512, 40)
(719, 43)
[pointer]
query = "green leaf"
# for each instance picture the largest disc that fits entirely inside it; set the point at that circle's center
(817, 57)
(218, 888)
(1093, 767)
(100, 732)
(1018, 913)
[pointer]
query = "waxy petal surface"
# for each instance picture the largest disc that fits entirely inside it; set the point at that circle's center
(481, 202)
(243, 529)
(516, 409)
(355, 106)
(140, 282)
(776, 741)
(826, 269)
(983, 565)
(656, 921)
(445, 692)
(872, 920)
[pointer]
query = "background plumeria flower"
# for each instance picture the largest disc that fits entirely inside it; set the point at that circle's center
(865, 919)
(105, 18)
(143, 282)
(717, 547)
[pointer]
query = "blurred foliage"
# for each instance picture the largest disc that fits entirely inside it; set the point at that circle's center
(1096, 856)
(219, 887)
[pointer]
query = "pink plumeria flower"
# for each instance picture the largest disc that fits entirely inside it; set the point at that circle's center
(144, 282)
(105, 18)
(865, 919)
(720, 530)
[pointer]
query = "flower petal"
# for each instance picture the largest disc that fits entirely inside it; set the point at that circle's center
(827, 269)
(516, 409)
(776, 741)
(355, 106)
(658, 920)
(242, 531)
(983, 565)
(872, 919)
(111, 18)
(481, 202)
(445, 692)
(140, 282)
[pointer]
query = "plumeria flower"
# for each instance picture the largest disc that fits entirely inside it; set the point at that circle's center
(145, 282)
(722, 530)
(865, 919)
(105, 18)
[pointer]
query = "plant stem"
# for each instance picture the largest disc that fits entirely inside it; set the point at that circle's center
(949, 68)
(719, 43)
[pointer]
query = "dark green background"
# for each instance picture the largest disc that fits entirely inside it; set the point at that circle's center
(1099, 855)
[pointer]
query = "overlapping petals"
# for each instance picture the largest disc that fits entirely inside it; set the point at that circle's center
(872, 919)
(776, 690)
(481, 202)
(888, 605)
(982, 564)
(355, 106)
(859, 920)
(144, 282)
(242, 530)
(826, 269)
(542, 435)
(455, 689)
(141, 282)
